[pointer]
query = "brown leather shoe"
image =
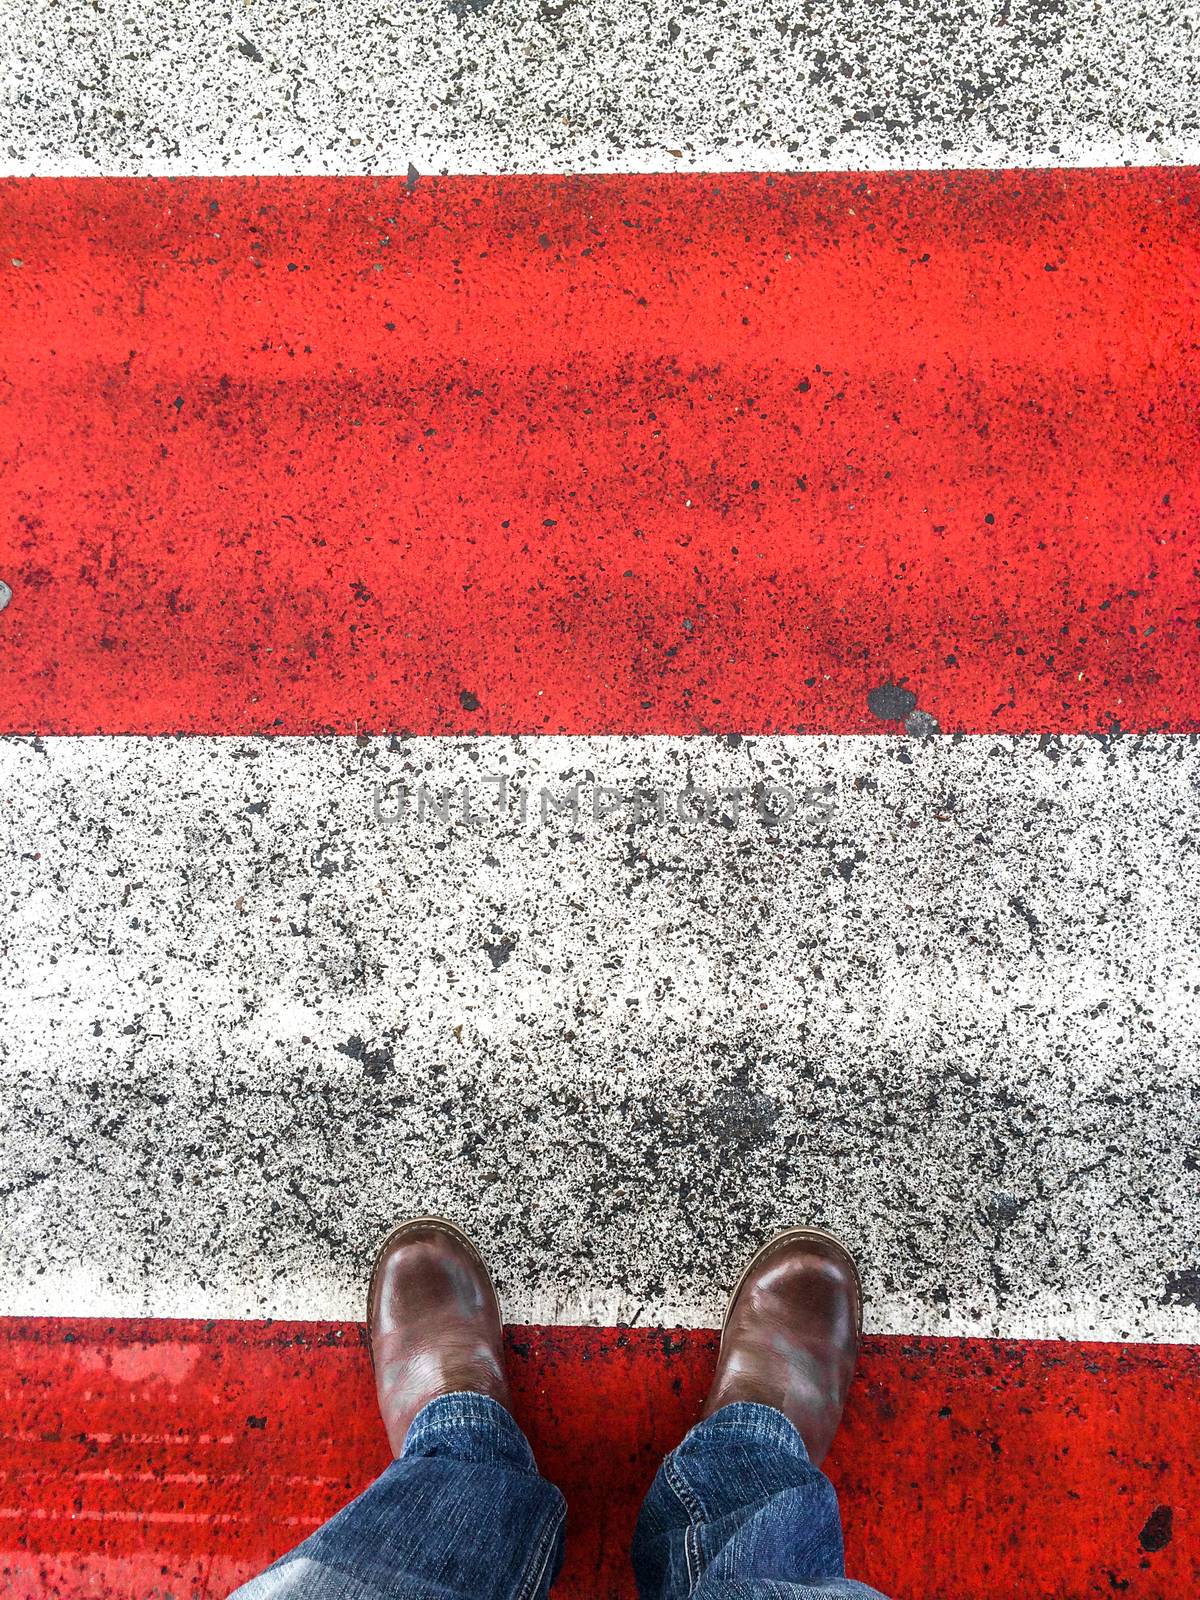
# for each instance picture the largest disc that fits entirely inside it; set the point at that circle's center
(792, 1333)
(434, 1323)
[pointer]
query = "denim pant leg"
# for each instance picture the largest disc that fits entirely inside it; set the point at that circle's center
(738, 1512)
(461, 1515)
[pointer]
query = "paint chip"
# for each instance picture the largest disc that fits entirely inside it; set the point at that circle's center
(891, 703)
(5, 594)
(1157, 1532)
(499, 952)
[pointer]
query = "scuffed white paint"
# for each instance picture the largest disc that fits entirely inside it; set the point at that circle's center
(951, 1008)
(497, 86)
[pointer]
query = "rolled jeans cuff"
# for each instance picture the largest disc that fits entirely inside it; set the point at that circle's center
(751, 1423)
(469, 1427)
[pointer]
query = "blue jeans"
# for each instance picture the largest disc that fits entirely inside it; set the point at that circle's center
(737, 1512)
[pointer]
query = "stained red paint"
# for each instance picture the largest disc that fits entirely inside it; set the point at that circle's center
(176, 1458)
(608, 454)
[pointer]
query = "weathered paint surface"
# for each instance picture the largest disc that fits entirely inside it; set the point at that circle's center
(504, 86)
(624, 455)
(950, 1006)
(629, 456)
(176, 1459)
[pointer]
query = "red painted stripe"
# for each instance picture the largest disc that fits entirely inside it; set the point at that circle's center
(179, 1457)
(623, 454)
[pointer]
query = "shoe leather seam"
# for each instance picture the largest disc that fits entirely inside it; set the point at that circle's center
(434, 1226)
(785, 1241)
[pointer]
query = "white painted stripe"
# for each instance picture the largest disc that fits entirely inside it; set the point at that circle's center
(495, 86)
(950, 1008)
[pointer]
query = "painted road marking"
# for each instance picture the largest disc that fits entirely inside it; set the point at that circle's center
(949, 1007)
(624, 455)
(123, 1412)
(509, 87)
